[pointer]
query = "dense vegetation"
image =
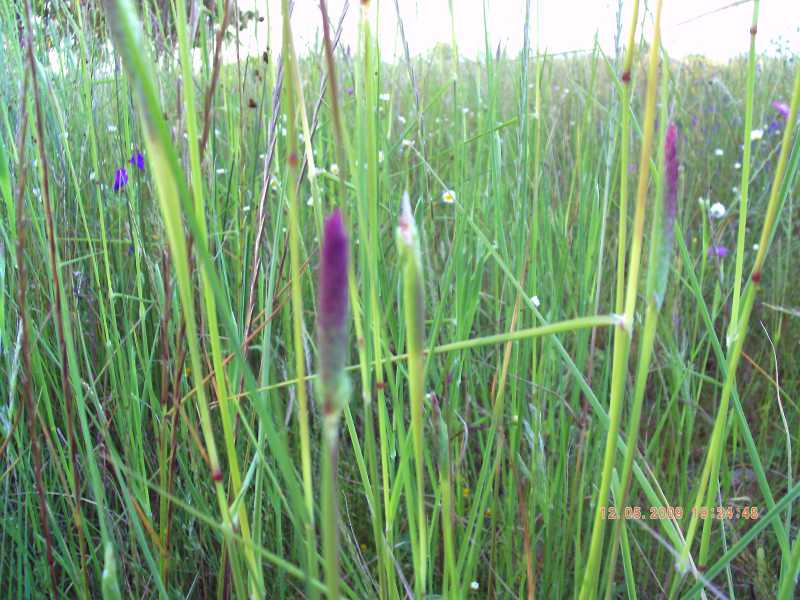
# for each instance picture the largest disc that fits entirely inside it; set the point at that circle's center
(587, 307)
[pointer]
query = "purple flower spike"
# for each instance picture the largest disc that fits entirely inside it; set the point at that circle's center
(717, 251)
(137, 160)
(781, 107)
(120, 179)
(671, 178)
(333, 301)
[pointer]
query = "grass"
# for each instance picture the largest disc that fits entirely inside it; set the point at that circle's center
(529, 355)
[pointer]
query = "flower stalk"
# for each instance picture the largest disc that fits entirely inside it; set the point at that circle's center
(623, 335)
(334, 389)
(414, 313)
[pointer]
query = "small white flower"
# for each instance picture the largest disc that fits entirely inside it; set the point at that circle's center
(737, 165)
(407, 143)
(283, 131)
(273, 183)
(112, 128)
(310, 201)
(380, 156)
(402, 119)
(755, 247)
(246, 208)
(536, 301)
(220, 171)
(334, 169)
(474, 586)
(465, 110)
(719, 152)
(384, 97)
(756, 134)
(735, 190)
(449, 197)
(717, 210)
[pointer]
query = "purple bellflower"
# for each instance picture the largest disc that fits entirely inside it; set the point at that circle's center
(137, 160)
(781, 107)
(120, 179)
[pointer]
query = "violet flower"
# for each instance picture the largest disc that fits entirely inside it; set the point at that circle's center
(717, 251)
(120, 179)
(137, 160)
(781, 107)
(333, 303)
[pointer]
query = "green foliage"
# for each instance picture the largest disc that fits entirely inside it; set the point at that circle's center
(472, 446)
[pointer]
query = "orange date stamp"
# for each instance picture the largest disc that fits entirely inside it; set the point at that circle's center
(656, 513)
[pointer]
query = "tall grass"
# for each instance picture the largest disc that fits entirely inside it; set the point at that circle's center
(533, 356)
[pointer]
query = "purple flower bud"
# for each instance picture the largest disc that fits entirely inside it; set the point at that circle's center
(137, 160)
(333, 301)
(781, 107)
(717, 251)
(120, 179)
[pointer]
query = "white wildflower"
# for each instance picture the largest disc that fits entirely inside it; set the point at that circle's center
(384, 97)
(402, 119)
(407, 143)
(717, 210)
(449, 197)
(465, 110)
(474, 586)
(334, 169)
(220, 171)
(755, 247)
(536, 301)
(283, 131)
(719, 152)
(737, 165)
(756, 134)
(310, 201)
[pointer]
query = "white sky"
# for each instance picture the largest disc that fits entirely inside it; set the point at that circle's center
(565, 25)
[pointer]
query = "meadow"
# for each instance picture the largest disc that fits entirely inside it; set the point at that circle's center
(320, 324)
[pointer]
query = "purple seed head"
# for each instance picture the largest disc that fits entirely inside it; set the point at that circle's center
(333, 301)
